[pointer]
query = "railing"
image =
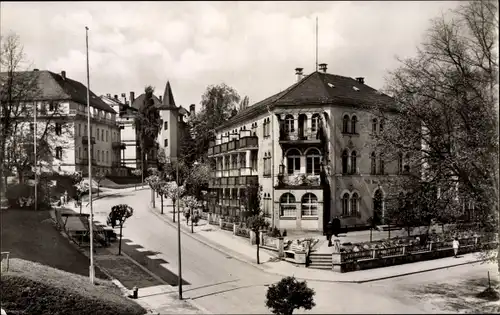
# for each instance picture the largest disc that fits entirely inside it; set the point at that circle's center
(248, 142)
(227, 226)
(298, 136)
(234, 172)
(248, 171)
(300, 180)
(225, 173)
(243, 232)
(234, 144)
(269, 241)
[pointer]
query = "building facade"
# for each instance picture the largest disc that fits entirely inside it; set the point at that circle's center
(61, 109)
(308, 148)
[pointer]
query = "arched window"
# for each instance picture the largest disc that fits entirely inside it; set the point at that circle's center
(314, 123)
(374, 125)
(345, 162)
(354, 205)
(354, 120)
(345, 204)
(293, 161)
(407, 163)
(289, 123)
(373, 164)
(345, 124)
(287, 205)
(400, 163)
(313, 162)
(353, 162)
(381, 164)
(309, 205)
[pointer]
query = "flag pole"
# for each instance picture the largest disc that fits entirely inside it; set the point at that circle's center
(89, 145)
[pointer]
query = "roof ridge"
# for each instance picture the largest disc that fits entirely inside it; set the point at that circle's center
(294, 86)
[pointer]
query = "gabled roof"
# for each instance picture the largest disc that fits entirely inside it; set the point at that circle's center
(317, 88)
(122, 108)
(52, 86)
(140, 100)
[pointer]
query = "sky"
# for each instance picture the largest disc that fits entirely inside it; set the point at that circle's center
(253, 47)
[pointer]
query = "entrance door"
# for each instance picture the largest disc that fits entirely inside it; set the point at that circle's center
(378, 207)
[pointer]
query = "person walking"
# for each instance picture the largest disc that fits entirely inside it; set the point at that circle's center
(336, 226)
(456, 245)
(329, 232)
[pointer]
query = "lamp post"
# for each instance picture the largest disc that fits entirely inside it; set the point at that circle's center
(179, 279)
(91, 217)
(34, 145)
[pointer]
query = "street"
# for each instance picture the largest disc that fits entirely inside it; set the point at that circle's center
(221, 284)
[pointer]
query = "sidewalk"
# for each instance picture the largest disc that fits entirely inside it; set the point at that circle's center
(241, 249)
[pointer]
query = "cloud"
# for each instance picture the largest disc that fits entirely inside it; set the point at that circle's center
(252, 46)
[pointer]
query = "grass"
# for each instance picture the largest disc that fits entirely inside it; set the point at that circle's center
(30, 235)
(32, 288)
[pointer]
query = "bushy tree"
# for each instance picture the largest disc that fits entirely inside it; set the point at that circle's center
(137, 172)
(288, 295)
(147, 124)
(82, 188)
(257, 223)
(192, 204)
(173, 191)
(251, 199)
(153, 181)
(120, 213)
(99, 176)
(445, 126)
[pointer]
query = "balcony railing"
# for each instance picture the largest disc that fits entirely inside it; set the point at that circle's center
(248, 171)
(299, 180)
(85, 140)
(306, 135)
(242, 143)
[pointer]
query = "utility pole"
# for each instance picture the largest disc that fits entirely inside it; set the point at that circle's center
(36, 164)
(89, 144)
(179, 234)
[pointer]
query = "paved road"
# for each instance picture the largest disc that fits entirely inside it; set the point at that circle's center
(224, 285)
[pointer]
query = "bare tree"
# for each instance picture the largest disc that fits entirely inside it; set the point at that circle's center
(444, 137)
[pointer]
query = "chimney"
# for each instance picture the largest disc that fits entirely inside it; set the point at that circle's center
(161, 99)
(191, 109)
(361, 80)
(124, 96)
(132, 98)
(63, 75)
(298, 72)
(322, 67)
(116, 97)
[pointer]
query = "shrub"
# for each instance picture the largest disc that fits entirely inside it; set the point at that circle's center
(289, 294)
(22, 196)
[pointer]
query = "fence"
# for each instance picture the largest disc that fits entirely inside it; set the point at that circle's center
(227, 226)
(243, 232)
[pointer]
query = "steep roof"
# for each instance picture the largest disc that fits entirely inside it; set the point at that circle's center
(168, 96)
(316, 88)
(122, 108)
(52, 86)
(140, 100)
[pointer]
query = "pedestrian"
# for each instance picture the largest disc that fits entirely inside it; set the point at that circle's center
(456, 245)
(336, 226)
(329, 232)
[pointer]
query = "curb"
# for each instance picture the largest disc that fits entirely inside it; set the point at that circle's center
(226, 251)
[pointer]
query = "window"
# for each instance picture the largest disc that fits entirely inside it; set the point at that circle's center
(85, 153)
(314, 123)
(353, 162)
(98, 155)
(289, 124)
(309, 205)
(165, 125)
(102, 155)
(345, 204)
(345, 162)
(354, 205)
(354, 120)
(102, 134)
(345, 124)
(287, 205)
(107, 156)
(313, 162)
(374, 125)
(58, 129)
(166, 143)
(234, 161)
(51, 106)
(58, 153)
(400, 163)
(293, 161)
(107, 136)
(79, 152)
(91, 131)
(79, 130)
(373, 164)
(267, 205)
(85, 130)
(381, 164)
(267, 163)
(97, 135)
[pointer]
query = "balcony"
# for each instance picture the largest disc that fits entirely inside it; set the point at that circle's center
(118, 145)
(250, 142)
(298, 181)
(299, 137)
(248, 171)
(85, 140)
(234, 172)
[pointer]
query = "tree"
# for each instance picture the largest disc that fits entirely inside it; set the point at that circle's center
(99, 176)
(256, 223)
(445, 127)
(82, 188)
(244, 103)
(288, 295)
(251, 199)
(173, 191)
(218, 103)
(120, 213)
(192, 204)
(137, 172)
(153, 181)
(148, 125)
(162, 191)
(197, 179)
